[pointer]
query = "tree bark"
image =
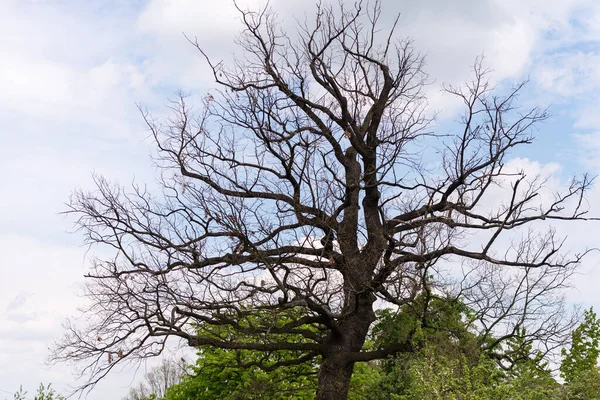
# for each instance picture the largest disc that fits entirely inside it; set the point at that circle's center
(337, 365)
(334, 378)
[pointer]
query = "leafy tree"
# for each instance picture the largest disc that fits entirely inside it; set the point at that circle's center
(443, 330)
(248, 374)
(579, 367)
(43, 393)
(434, 372)
(216, 375)
(452, 359)
(529, 377)
(448, 362)
(314, 181)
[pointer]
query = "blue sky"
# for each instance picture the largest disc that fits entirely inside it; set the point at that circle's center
(72, 72)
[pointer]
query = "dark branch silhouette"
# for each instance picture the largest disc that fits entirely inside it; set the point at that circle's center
(310, 186)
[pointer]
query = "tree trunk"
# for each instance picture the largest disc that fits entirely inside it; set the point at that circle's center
(334, 379)
(336, 368)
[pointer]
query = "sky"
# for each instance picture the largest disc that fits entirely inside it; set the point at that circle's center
(72, 74)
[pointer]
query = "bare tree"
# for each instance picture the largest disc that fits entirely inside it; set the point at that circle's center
(158, 380)
(311, 185)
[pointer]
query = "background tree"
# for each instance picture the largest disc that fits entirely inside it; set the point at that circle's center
(313, 181)
(248, 374)
(217, 375)
(158, 380)
(43, 393)
(450, 363)
(579, 367)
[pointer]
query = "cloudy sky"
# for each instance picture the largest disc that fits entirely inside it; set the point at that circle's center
(72, 73)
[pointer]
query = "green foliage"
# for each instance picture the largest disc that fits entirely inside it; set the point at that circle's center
(434, 374)
(529, 378)
(448, 363)
(242, 374)
(217, 376)
(437, 327)
(583, 354)
(43, 393)
(579, 366)
(364, 380)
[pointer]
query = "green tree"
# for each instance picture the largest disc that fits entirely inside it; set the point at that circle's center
(43, 393)
(439, 333)
(448, 361)
(217, 375)
(247, 374)
(529, 377)
(579, 367)
(453, 359)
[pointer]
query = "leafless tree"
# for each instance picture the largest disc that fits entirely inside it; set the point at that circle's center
(312, 184)
(158, 380)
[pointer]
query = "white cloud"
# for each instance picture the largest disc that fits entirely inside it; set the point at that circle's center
(34, 299)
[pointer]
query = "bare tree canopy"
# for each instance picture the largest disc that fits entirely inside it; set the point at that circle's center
(157, 380)
(312, 188)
